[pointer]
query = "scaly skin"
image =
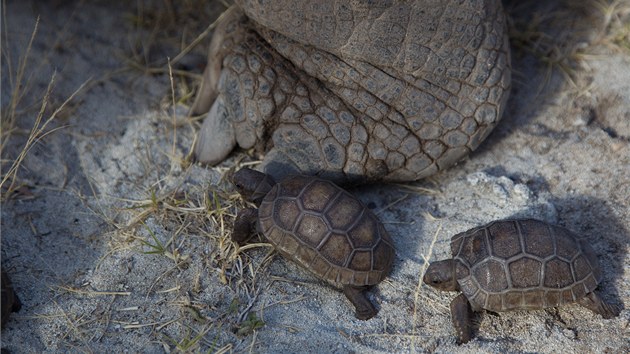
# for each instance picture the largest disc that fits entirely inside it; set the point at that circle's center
(393, 91)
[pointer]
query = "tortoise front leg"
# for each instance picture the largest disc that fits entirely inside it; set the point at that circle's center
(364, 308)
(595, 303)
(461, 317)
(244, 225)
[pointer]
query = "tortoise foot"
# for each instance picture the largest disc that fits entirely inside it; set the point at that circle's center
(461, 317)
(217, 137)
(244, 225)
(364, 308)
(595, 303)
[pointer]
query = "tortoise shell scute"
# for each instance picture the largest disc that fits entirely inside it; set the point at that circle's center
(527, 264)
(326, 230)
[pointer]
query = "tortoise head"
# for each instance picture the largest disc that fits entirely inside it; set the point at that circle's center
(441, 275)
(252, 185)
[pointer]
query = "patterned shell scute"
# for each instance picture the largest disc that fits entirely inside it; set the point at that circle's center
(523, 264)
(326, 230)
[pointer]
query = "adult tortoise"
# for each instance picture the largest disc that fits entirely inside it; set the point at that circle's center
(354, 90)
(517, 265)
(319, 226)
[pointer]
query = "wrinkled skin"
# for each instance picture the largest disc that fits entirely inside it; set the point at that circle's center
(351, 91)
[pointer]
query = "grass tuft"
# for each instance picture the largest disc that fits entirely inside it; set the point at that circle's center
(560, 35)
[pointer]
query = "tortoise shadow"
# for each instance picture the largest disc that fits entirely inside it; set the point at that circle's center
(594, 220)
(397, 209)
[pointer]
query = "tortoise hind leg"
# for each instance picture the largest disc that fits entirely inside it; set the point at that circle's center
(244, 225)
(461, 317)
(364, 308)
(595, 303)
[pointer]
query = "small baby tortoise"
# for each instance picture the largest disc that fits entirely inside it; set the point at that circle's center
(321, 227)
(517, 265)
(10, 300)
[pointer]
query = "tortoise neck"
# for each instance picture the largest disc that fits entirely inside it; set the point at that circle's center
(262, 188)
(453, 284)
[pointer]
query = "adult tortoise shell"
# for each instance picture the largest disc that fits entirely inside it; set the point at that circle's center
(517, 265)
(320, 226)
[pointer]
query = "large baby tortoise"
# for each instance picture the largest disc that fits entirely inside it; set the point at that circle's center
(517, 265)
(319, 226)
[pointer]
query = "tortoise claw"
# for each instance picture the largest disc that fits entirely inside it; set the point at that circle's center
(216, 137)
(595, 303)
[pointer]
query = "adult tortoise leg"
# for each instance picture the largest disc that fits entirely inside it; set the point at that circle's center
(244, 225)
(217, 136)
(461, 317)
(595, 303)
(367, 101)
(364, 308)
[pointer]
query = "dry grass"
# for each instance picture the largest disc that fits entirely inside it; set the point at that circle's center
(615, 33)
(23, 103)
(418, 290)
(8, 120)
(40, 130)
(209, 215)
(186, 211)
(181, 24)
(562, 34)
(190, 214)
(213, 215)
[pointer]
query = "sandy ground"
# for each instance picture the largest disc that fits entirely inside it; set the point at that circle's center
(116, 243)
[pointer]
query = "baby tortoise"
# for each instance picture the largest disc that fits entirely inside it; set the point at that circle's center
(320, 226)
(517, 265)
(10, 300)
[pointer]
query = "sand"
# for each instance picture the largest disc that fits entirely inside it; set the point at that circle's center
(115, 242)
